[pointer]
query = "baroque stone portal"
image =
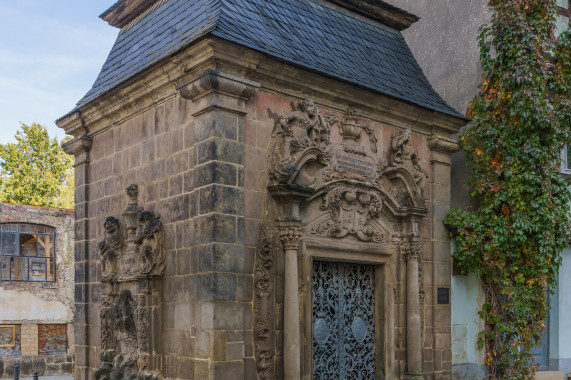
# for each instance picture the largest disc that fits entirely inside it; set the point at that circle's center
(132, 266)
(330, 192)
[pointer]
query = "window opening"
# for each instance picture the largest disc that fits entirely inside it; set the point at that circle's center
(27, 252)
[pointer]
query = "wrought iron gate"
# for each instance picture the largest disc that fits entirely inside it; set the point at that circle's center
(343, 321)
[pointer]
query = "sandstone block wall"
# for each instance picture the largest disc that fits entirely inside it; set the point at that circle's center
(199, 154)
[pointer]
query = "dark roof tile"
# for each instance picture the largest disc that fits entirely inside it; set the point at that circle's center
(310, 33)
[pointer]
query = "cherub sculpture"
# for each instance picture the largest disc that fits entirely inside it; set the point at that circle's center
(404, 154)
(150, 240)
(111, 246)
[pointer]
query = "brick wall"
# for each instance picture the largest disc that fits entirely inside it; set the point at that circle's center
(29, 304)
(29, 340)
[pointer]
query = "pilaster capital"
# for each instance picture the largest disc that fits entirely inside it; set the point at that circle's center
(290, 237)
(441, 148)
(79, 147)
(411, 251)
(443, 144)
(213, 88)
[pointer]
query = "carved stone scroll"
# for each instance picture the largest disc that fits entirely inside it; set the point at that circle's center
(264, 313)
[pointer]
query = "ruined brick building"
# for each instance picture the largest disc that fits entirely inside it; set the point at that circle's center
(36, 290)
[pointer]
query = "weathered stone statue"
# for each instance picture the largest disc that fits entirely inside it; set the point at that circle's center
(110, 248)
(303, 127)
(150, 240)
(295, 132)
(404, 154)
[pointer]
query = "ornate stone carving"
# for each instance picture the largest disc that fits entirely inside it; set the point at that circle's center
(351, 129)
(403, 154)
(107, 331)
(264, 339)
(150, 243)
(118, 333)
(124, 314)
(351, 210)
(111, 246)
(131, 259)
(290, 237)
(294, 133)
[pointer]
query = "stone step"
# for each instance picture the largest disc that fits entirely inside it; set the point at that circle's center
(549, 375)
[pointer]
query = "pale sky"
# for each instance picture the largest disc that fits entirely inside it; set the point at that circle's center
(50, 54)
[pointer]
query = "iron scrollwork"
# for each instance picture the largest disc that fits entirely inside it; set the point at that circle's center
(343, 321)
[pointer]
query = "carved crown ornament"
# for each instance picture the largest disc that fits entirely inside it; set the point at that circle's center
(353, 180)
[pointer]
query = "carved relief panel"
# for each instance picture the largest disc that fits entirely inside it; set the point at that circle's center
(132, 266)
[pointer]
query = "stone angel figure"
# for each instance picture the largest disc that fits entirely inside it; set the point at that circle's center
(111, 246)
(404, 154)
(293, 133)
(150, 240)
(302, 128)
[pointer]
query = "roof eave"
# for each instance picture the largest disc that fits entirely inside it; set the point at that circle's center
(124, 11)
(380, 11)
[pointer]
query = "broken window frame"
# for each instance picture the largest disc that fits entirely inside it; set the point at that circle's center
(12, 261)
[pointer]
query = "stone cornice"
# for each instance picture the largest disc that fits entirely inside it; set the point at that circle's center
(443, 145)
(79, 147)
(157, 84)
(216, 81)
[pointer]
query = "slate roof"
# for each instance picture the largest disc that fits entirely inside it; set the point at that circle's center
(310, 33)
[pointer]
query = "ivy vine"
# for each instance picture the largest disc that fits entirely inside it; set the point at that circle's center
(520, 124)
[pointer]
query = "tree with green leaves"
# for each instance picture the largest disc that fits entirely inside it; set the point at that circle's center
(520, 124)
(35, 170)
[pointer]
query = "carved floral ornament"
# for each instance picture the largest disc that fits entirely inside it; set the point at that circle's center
(355, 183)
(264, 310)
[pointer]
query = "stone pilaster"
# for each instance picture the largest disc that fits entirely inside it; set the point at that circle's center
(222, 301)
(290, 236)
(441, 149)
(80, 147)
(411, 252)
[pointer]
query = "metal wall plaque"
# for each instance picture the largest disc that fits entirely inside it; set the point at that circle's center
(343, 321)
(443, 296)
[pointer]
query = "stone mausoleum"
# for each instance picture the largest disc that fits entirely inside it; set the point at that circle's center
(260, 188)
